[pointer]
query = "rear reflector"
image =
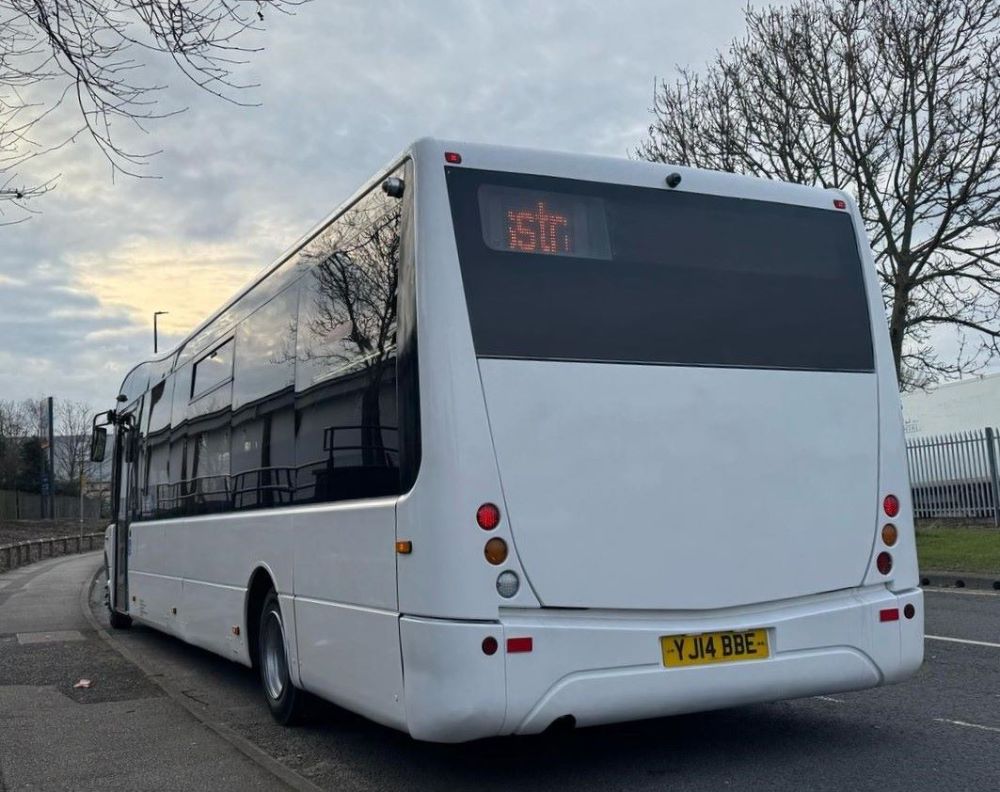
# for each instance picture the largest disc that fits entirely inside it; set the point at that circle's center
(888, 614)
(519, 645)
(490, 645)
(909, 611)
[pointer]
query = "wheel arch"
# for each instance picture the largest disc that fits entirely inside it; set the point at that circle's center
(260, 583)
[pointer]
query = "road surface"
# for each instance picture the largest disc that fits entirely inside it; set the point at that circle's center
(143, 722)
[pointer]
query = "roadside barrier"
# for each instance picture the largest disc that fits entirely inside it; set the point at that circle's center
(22, 553)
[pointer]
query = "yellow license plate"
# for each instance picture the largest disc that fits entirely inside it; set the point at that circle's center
(714, 647)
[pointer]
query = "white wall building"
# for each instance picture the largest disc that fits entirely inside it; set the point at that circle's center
(953, 407)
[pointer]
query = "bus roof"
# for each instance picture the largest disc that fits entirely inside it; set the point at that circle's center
(584, 167)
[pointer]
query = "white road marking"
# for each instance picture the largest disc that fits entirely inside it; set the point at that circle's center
(830, 698)
(54, 636)
(962, 641)
(968, 725)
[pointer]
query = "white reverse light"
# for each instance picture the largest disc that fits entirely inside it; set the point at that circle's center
(507, 584)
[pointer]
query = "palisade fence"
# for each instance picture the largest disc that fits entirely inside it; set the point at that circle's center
(955, 475)
(27, 506)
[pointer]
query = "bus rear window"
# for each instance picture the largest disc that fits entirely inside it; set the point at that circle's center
(558, 269)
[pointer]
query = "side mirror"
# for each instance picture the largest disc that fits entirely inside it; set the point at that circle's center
(98, 444)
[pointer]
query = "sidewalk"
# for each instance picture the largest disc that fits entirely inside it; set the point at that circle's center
(121, 732)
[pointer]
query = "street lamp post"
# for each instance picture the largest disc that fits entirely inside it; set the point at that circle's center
(156, 337)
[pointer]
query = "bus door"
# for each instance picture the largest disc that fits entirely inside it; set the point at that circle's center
(126, 497)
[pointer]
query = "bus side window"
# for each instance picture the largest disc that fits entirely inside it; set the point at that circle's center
(347, 438)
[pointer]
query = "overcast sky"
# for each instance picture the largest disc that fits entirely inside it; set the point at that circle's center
(343, 87)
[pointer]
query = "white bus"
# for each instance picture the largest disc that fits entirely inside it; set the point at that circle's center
(515, 439)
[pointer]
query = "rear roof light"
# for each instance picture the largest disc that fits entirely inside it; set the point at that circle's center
(453, 157)
(839, 203)
(890, 505)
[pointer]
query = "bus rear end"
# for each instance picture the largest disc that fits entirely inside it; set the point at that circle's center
(682, 404)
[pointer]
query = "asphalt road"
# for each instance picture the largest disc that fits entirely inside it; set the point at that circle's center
(939, 730)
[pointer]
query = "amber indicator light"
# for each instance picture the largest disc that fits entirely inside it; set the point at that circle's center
(889, 534)
(496, 550)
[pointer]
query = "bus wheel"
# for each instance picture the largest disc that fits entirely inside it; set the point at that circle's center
(283, 698)
(118, 621)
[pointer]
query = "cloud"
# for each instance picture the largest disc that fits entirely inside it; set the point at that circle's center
(343, 87)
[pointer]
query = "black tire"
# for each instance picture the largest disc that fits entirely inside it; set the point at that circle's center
(119, 621)
(283, 699)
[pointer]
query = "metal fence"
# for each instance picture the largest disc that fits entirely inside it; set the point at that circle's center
(955, 475)
(28, 506)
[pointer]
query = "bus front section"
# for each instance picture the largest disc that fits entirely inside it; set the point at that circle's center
(674, 437)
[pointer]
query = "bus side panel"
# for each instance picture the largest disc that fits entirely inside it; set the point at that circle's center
(218, 554)
(153, 583)
(446, 575)
(345, 607)
(893, 473)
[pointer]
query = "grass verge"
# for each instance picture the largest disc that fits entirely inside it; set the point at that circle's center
(960, 548)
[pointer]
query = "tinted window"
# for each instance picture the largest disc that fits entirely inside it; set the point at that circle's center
(302, 404)
(347, 439)
(213, 369)
(568, 270)
(263, 427)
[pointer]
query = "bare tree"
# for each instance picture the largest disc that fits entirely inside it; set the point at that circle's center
(93, 54)
(894, 101)
(72, 445)
(17, 423)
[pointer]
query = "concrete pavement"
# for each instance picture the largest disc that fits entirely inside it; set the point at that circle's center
(121, 732)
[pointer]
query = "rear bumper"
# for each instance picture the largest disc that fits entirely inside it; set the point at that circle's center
(605, 667)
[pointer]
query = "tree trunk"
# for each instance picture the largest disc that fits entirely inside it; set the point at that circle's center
(897, 323)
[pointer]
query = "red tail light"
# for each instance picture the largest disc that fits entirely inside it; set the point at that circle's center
(488, 516)
(884, 563)
(891, 505)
